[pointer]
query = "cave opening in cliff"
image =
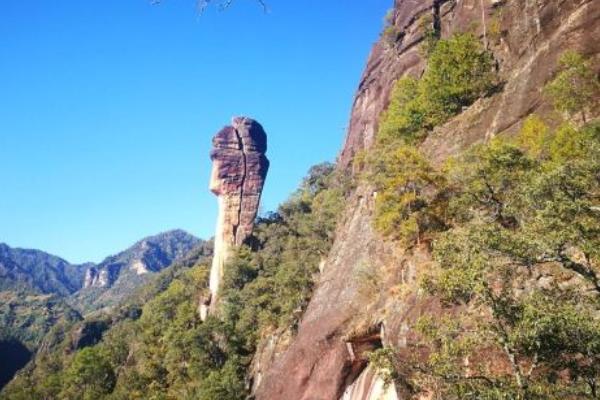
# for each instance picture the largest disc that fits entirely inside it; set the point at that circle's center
(358, 349)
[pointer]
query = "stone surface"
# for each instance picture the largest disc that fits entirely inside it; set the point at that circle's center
(317, 365)
(369, 386)
(108, 283)
(238, 175)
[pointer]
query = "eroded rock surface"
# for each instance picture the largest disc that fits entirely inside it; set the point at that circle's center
(531, 35)
(238, 175)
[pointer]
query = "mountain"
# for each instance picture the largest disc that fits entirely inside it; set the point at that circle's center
(43, 273)
(40, 292)
(109, 282)
(38, 271)
(370, 293)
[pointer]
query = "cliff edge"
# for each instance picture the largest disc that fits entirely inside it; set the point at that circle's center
(326, 359)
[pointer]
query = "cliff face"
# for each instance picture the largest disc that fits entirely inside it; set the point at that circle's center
(116, 277)
(323, 361)
(238, 175)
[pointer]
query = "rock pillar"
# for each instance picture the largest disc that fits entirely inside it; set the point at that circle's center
(238, 175)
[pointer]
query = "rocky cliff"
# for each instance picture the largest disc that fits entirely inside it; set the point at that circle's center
(116, 277)
(324, 361)
(238, 175)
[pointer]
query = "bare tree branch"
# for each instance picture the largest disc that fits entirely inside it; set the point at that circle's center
(222, 4)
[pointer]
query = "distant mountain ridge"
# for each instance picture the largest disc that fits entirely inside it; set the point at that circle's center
(39, 271)
(40, 291)
(109, 282)
(43, 273)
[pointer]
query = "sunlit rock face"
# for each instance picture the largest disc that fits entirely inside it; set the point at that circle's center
(238, 175)
(370, 386)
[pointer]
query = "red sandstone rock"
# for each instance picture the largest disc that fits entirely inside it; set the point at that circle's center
(317, 363)
(238, 175)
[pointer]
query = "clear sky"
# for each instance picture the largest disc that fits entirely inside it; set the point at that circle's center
(108, 107)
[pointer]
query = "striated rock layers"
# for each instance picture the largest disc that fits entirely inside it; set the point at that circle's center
(319, 363)
(238, 175)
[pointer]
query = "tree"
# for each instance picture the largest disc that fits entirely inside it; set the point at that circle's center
(90, 376)
(575, 88)
(406, 193)
(458, 72)
(522, 262)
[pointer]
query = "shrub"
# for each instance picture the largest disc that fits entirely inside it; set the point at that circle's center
(576, 88)
(459, 70)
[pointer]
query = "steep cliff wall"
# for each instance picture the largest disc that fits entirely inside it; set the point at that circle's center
(526, 37)
(238, 175)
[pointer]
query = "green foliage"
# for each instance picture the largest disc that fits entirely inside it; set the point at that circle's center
(458, 72)
(90, 376)
(269, 287)
(158, 347)
(575, 89)
(406, 202)
(406, 113)
(384, 362)
(533, 136)
(410, 201)
(521, 213)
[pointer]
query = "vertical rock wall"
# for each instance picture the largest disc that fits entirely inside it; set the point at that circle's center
(316, 365)
(238, 175)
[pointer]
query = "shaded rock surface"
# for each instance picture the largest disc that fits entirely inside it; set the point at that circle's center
(317, 364)
(238, 175)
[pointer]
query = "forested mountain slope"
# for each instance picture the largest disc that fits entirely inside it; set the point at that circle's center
(40, 292)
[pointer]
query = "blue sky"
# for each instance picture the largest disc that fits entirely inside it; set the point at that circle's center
(108, 107)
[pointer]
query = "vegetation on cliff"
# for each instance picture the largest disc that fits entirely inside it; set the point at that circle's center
(514, 228)
(163, 350)
(521, 262)
(459, 71)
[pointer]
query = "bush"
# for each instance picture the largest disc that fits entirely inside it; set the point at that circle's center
(409, 195)
(459, 71)
(576, 88)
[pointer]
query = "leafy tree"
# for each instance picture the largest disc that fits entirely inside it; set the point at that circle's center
(405, 115)
(89, 377)
(458, 72)
(522, 262)
(576, 88)
(533, 136)
(405, 206)
(226, 383)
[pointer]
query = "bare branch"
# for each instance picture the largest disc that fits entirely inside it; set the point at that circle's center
(224, 4)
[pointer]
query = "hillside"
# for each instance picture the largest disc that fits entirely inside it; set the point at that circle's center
(348, 317)
(38, 271)
(111, 281)
(40, 292)
(451, 253)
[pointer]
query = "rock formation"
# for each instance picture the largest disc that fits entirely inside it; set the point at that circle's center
(318, 364)
(238, 175)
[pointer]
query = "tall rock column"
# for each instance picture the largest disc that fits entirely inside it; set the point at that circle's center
(238, 175)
